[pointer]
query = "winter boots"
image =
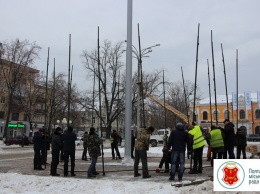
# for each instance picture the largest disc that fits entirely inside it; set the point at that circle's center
(195, 170)
(200, 169)
(146, 175)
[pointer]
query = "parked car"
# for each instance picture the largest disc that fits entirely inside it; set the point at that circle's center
(158, 138)
(78, 141)
(253, 137)
(18, 140)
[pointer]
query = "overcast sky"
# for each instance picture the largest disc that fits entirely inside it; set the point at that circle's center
(172, 24)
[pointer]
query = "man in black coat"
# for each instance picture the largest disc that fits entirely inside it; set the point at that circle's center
(178, 140)
(114, 144)
(56, 145)
(241, 143)
(37, 145)
(132, 143)
(69, 148)
(229, 140)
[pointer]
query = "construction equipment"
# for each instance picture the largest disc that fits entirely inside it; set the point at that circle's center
(179, 114)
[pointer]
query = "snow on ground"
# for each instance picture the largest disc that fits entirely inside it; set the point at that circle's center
(31, 184)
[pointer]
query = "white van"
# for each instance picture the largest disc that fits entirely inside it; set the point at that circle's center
(78, 141)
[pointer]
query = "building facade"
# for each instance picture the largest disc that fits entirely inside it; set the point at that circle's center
(18, 122)
(246, 114)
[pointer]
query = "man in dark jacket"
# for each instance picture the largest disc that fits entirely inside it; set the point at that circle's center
(178, 140)
(69, 147)
(114, 144)
(229, 140)
(46, 140)
(56, 145)
(241, 143)
(132, 143)
(37, 145)
(85, 146)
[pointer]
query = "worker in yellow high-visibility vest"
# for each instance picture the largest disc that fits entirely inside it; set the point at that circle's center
(216, 143)
(198, 143)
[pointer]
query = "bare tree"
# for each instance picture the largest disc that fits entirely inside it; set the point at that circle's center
(110, 65)
(16, 59)
(30, 96)
(57, 101)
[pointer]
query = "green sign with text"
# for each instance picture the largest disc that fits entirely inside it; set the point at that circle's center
(15, 125)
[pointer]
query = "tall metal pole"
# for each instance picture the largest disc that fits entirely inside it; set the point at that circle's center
(141, 84)
(237, 83)
(195, 88)
(214, 80)
(210, 108)
(46, 89)
(195, 85)
(54, 89)
(138, 95)
(252, 113)
(164, 102)
(46, 98)
(185, 95)
(128, 103)
(223, 60)
(68, 123)
(93, 96)
(117, 100)
(100, 112)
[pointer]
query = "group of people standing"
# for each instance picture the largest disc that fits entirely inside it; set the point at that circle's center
(189, 137)
(221, 140)
(66, 142)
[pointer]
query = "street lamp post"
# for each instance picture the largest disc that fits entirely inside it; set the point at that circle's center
(139, 54)
(64, 122)
(58, 122)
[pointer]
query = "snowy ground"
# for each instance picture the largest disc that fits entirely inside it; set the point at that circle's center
(17, 183)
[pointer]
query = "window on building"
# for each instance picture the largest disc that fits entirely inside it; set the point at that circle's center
(3, 87)
(242, 114)
(25, 117)
(39, 119)
(3, 99)
(227, 114)
(257, 114)
(215, 113)
(93, 119)
(2, 114)
(15, 116)
(205, 115)
(38, 106)
(6, 71)
(1, 129)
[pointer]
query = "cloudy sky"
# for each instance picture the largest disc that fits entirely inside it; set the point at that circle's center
(172, 24)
